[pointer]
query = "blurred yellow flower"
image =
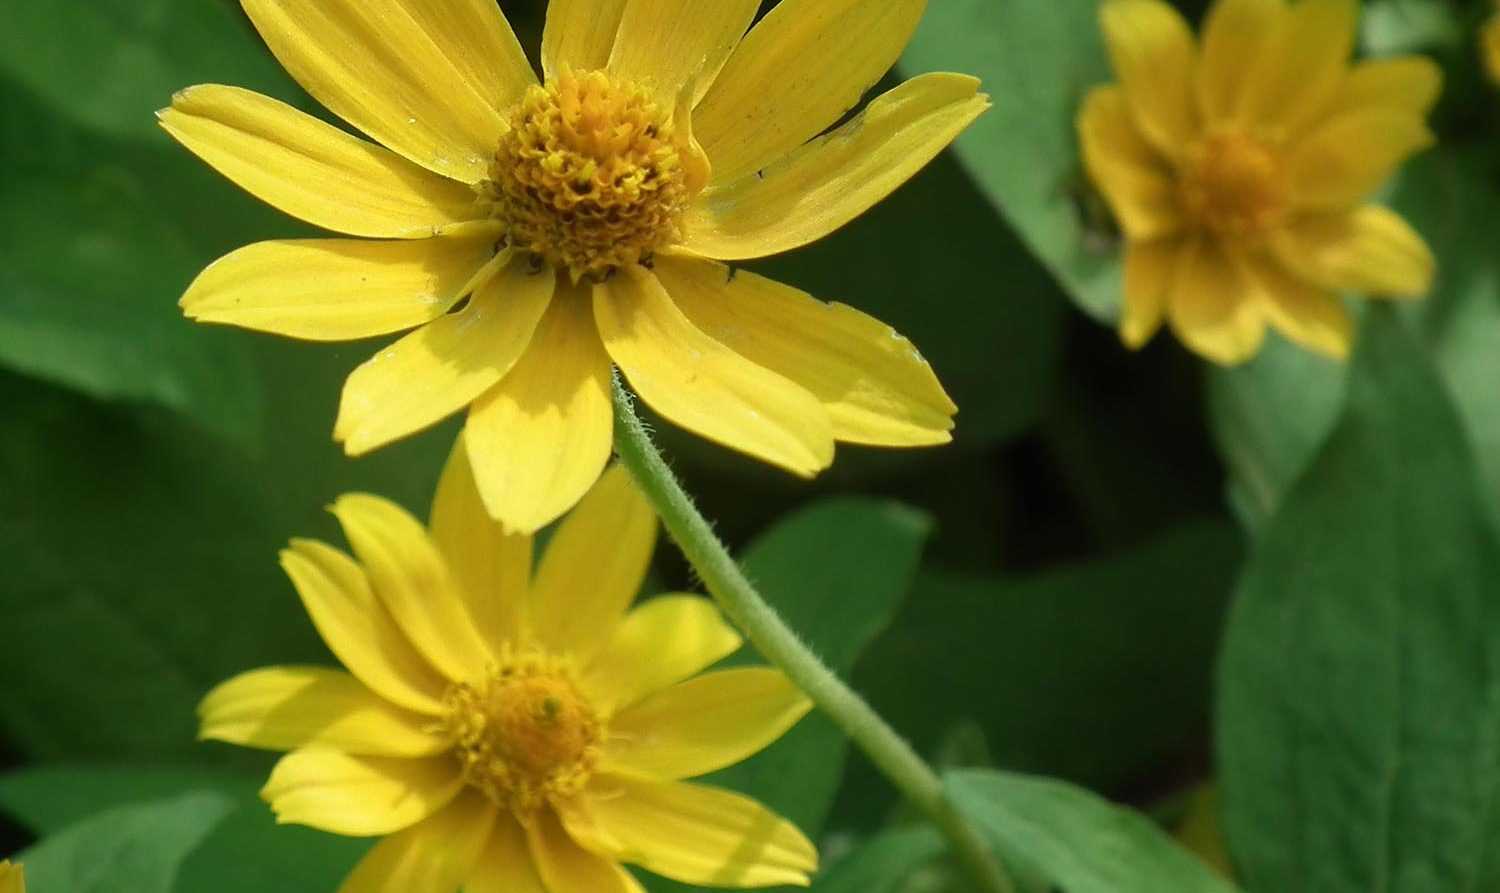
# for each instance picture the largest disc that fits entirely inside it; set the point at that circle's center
(511, 732)
(1238, 169)
(12, 877)
(1490, 45)
(583, 218)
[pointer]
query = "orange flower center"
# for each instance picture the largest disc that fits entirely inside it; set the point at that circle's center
(588, 176)
(525, 733)
(1233, 183)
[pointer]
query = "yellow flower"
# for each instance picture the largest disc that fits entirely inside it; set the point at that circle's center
(12, 877)
(511, 732)
(1490, 45)
(1238, 168)
(583, 218)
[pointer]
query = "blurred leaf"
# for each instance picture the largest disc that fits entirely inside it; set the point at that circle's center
(1360, 706)
(138, 847)
(1038, 58)
(1054, 836)
(886, 863)
(50, 798)
(248, 852)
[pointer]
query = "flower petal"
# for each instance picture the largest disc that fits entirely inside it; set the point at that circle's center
(566, 867)
(579, 34)
(284, 708)
(358, 629)
(506, 865)
(427, 78)
(542, 436)
(593, 567)
(438, 854)
(1369, 249)
(660, 643)
(702, 835)
(833, 179)
(1133, 178)
(411, 579)
(1345, 159)
(1408, 84)
(1301, 69)
(1153, 54)
(668, 44)
(700, 384)
(492, 568)
(873, 382)
(359, 796)
(798, 70)
(1306, 314)
(1210, 307)
(336, 289)
(313, 170)
(443, 366)
(1236, 35)
(1148, 277)
(706, 723)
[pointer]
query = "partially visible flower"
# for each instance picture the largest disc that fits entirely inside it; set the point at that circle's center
(1489, 39)
(1238, 171)
(585, 219)
(12, 878)
(509, 731)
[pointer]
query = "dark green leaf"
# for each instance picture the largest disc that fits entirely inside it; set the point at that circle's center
(1360, 703)
(248, 852)
(47, 800)
(889, 862)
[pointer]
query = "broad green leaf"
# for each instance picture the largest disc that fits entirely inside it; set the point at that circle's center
(138, 847)
(1360, 707)
(1054, 836)
(248, 852)
(898, 860)
(1037, 58)
(48, 799)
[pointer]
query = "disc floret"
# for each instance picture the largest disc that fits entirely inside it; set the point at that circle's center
(1234, 183)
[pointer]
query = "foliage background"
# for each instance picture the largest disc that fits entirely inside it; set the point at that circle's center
(1049, 595)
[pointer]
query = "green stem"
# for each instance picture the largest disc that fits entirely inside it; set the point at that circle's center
(780, 645)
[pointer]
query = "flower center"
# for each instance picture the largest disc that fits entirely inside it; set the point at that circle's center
(588, 176)
(524, 733)
(1233, 183)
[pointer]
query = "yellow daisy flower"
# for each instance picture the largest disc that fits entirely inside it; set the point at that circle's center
(511, 732)
(584, 219)
(1238, 169)
(12, 877)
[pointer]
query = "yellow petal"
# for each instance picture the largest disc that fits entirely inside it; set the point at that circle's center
(660, 643)
(427, 79)
(1152, 51)
(1408, 84)
(411, 579)
(566, 867)
(335, 289)
(12, 877)
(1300, 72)
(669, 44)
(1369, 249)
(492, 567)
(700, 384)
(358, 629)
(313, 170)
(438, 854)
(1236, 36)
(706, 723)
(873, 382)
(579, 34)
(541, 437)
(1148, 276)
(506, 865)
(702, 835)
(798, 70)
(359, 796)
(593, 567)
(1345, 159)
(1210, 307)
(284, 708)
(1133, 178)
(835, 178)
(1306, 314)
(1490, 46)
(443, 366)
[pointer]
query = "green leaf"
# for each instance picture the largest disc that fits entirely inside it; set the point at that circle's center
(248, 852)
(892, 861)
(1038, 58)
(48, 799)
(138, 847)
(1360, 707)
(1055, 836)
